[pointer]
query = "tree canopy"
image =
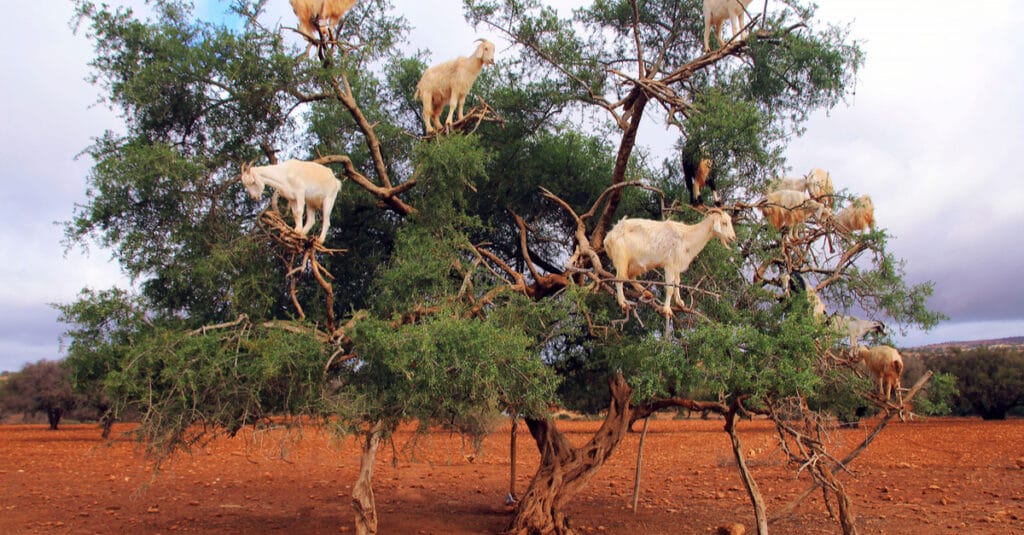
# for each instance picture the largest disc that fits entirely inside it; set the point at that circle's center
(463, 270)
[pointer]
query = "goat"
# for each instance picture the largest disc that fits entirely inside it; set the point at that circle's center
(450, 82)
(788, 208)
(697, 173)
(817, 184)
(333, 11)
(819, 187)
(796, 282)
(303, 184)
(322, 15)
(716, 12)
(636, 246)
(860, 215)
(856, 328)
(886, 364)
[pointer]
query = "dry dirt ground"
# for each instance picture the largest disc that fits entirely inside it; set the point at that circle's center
(959, 476)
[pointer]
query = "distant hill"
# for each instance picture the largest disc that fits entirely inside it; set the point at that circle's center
(1011, 341)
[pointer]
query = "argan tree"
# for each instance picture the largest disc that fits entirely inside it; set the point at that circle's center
(464, 271)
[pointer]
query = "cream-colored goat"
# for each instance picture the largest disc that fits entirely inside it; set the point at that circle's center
(817, 184)
(789, 208)
(716, 12)
(860, 215)
(319, 14)
(307, 186)
(636, 246)
(886, 364)
(449, 83)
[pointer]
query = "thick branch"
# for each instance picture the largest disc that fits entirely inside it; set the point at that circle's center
(621, 164)
(387, 195)
(346, 98)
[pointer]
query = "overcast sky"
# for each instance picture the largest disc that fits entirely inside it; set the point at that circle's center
(934, 134)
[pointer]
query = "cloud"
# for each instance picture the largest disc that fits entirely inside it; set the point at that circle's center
(932, 135)
(49, 116)
(27, 334)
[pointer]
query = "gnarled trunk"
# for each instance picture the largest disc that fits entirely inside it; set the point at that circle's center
(362, 493)
(564, 470)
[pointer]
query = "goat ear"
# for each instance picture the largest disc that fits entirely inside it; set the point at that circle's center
(716, 226)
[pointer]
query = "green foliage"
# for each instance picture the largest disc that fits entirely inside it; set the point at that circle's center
(448, 170)
(990, 381)
(937, 397)
(442, 367)
(103, 326)
(189, 386)
(421, 270)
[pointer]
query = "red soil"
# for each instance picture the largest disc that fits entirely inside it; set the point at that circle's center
(933, 476)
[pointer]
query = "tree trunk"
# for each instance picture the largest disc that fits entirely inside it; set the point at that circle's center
(53, 414)
(639, 464)
(362, 492)
(107, 423)
(565, 470)
(512, 498)
(760, 516)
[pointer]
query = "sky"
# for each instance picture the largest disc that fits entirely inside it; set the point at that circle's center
(933, 133)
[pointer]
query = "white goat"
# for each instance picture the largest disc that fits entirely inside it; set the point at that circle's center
(856, 328)
(303, 184)
(322, 14)
(886, 364)
(716, 12)
(789, 208)
(449, 83)
(817, 184)
(860, 215)
(636, 246)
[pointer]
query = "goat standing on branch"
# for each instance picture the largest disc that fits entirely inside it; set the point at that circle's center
(319, 15)
(886, 364)
(860, 215)
(305, 185)
(450, 82)
(716, 12)
(697, 173)
(817, 184)
(786, 208)
(856, 328)
(636, 246)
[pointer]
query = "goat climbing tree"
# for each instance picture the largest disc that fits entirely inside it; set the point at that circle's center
(473, 277)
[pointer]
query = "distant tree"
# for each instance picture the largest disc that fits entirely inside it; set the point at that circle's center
(990, 380)
(42, 387)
